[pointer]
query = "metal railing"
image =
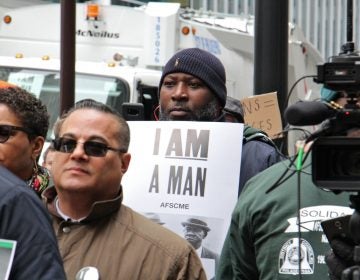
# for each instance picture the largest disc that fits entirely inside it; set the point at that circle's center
(322, 21)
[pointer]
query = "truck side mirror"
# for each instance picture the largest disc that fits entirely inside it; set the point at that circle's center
(133, 111)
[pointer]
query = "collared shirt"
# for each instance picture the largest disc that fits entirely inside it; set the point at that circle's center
(62, 215)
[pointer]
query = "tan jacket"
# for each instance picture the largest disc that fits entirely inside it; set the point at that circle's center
(122, 244)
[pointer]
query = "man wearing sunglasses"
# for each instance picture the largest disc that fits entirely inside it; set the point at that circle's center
(94, 228)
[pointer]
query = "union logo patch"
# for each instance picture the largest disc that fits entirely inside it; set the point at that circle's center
(293, 258)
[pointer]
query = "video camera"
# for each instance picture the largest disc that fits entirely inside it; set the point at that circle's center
(336, 157)
(335, 152)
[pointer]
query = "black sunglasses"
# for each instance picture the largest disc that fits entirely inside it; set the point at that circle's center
(91, 148)
(8, 130)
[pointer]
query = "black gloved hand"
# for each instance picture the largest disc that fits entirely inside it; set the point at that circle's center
(339, 258)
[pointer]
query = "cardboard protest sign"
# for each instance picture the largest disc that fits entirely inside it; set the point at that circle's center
(262, 111)
(185, 174)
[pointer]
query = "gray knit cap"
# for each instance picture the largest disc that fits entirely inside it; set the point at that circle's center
(202, 65)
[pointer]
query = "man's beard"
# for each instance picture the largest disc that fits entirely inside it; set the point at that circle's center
(209, 112)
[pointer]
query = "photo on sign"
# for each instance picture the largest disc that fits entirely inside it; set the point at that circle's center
(201, 232)
(178, 223)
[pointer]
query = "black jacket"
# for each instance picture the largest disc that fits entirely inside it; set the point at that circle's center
(258, 152)
(257, 155)
(23, 218)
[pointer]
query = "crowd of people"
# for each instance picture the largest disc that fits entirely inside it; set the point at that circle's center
(67, 216)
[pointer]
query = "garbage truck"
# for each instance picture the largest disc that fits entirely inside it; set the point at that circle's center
(120, 52)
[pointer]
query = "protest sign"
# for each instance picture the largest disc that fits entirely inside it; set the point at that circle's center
(183, 174)
(262, 111)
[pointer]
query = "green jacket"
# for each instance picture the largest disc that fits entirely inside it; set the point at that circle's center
(262, 238)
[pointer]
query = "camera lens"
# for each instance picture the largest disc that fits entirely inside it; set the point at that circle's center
(347, 163)
(336, 163)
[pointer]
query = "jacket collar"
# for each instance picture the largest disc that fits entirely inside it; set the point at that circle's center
(99, 209)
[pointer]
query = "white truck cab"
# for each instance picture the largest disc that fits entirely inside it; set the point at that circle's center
(108, 83)
(117, 58)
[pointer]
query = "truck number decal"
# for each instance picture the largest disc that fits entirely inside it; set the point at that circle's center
(157, 40)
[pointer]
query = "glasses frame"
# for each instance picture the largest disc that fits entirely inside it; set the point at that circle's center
(13, 128)
(56, 144)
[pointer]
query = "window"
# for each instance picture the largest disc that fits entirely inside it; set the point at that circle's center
(46, 86)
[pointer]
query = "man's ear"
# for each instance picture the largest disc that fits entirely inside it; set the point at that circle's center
(125, 161)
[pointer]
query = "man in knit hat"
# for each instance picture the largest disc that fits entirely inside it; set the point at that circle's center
(193, 88)
(197, 78)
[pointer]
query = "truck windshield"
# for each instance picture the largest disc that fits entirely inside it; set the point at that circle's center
(46, 86)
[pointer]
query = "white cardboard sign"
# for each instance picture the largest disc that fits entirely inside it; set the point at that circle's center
(182, 170)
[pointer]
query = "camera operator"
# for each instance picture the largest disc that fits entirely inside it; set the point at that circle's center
(275, 230)
(340, 259)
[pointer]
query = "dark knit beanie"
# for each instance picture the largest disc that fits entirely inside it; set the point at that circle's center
(202, 65)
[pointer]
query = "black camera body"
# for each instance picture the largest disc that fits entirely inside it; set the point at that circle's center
(341, 73)
(336, 157)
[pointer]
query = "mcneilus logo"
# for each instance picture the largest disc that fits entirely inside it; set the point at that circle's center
(97, 34)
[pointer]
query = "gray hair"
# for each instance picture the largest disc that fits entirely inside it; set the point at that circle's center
(123, 133)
